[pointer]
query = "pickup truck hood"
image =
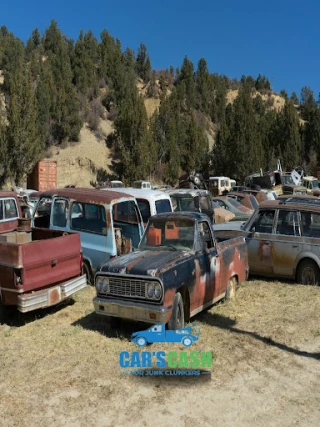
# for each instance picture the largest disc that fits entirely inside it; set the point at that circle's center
(145, 262)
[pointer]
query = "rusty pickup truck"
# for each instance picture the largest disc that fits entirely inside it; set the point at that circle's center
(38, 267)
(178, 270)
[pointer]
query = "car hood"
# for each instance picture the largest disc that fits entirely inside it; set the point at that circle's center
(145, 262)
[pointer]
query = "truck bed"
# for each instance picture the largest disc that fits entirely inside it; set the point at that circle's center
(30, 261)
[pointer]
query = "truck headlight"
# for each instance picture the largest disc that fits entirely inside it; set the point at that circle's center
(105, 285)
(157, 291)
(99, 283)
(150, 290)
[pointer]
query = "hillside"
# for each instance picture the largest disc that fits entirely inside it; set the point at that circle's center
(77, 163)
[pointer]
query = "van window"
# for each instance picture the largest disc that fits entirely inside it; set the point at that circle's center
(144, 208)
(1, 210)
(126, 217)
(222, 183)
(163, 206)
(88, 217)
(60, 211)
(10, 209)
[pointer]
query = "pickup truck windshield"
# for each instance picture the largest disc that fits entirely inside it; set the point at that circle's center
(167, 234)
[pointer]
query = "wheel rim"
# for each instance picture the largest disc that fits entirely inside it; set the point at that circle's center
(141, 342)
(187, 342)
(308, 276)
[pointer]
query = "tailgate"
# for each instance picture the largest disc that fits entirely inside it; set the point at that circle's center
(50, 261)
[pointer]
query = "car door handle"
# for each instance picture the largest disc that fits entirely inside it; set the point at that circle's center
(295, 246)
(267, 243)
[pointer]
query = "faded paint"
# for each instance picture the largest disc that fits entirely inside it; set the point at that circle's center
(201, 274)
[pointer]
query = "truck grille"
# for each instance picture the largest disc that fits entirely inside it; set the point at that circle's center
(127, 287)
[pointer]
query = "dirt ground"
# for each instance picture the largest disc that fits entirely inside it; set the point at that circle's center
(60, 366)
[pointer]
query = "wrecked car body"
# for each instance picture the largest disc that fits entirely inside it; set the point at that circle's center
(283, 238)
(178, 270)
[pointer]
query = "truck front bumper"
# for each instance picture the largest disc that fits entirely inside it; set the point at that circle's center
(130, 310)
(50, 296)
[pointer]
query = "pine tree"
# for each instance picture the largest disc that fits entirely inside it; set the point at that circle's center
(4, 161)
(186, 77)
(24, 145)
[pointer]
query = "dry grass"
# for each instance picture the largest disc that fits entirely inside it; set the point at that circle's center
(59, 367)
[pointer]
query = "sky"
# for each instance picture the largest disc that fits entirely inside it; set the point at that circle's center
(279, 39)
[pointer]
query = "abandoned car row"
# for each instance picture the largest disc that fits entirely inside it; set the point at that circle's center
(157, 256)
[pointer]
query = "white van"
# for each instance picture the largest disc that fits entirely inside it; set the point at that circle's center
(146, 185)
(150, 202)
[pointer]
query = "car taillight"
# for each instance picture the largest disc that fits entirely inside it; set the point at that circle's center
(18, 277)
(113, 256)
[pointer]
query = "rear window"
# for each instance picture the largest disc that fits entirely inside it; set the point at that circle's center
(88, 217)
(163, 206)
(8, 209)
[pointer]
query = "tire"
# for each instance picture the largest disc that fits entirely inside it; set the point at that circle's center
(87, 272)
(141, 341)
(177, 316)
(231, 289)
(187, 341)
(308, 273)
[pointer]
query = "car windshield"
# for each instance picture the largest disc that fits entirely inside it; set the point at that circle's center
(172, 234)
(287, 179)
(183, 204)
(238, 205)
(315, 184)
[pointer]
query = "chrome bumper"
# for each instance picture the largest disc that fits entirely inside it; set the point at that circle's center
(50, 296)
(130, 310)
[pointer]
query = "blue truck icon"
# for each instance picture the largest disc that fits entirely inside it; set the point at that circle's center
(158, 333)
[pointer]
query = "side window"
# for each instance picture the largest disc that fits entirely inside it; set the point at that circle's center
(10, 209)
(60, 212)
(204, 203)
(263, 222)
(88, 217)
(126, 212)
(222, 183)
(162, 206)
(310, 224)
(144, 208)
(205, 234)
(288, 223)
(1, 210)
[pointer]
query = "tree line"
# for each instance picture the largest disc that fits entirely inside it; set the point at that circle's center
(53, 84)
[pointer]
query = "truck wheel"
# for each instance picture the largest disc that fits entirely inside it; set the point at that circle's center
(187, 341)
(308, 273)
(87, 272)
(177, 316)
(141, 341)
(231, 288)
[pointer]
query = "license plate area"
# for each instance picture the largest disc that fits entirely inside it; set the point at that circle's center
(54, 295)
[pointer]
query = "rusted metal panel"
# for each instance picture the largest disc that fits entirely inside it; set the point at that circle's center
(44, 176)
(87, 195)
(48, 258)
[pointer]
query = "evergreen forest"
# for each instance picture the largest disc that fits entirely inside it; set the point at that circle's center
(52, 85)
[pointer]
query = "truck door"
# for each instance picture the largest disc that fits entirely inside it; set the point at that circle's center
(206, 260)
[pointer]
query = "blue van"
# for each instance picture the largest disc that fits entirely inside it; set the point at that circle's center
(109, 222)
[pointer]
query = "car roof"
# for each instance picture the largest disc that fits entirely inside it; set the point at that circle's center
(304, 203)
(142, 193)
(87, 195)
(185, 191)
